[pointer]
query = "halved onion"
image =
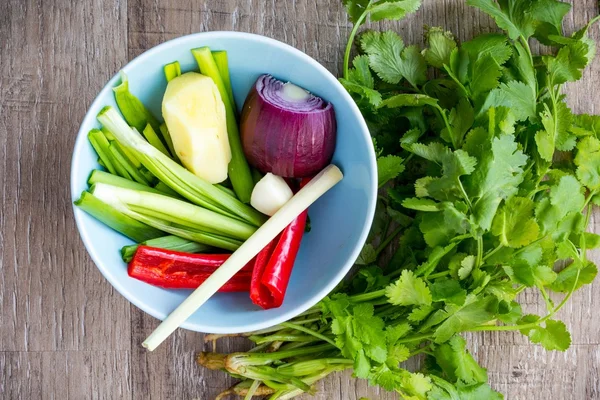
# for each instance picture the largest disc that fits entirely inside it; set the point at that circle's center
(286, 130)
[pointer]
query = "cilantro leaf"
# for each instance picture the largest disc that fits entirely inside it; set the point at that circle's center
(565, 280)
(514, 95)
(588, 162)
(499, 172)
(393, 9)
(409, 100)
(384, 51)
(507, 16)
(448, 290)
(441, 44)
(492, 44)
(388, 168)
(477, 392)
(355, 8)
(514, 223)
(476, 311)
(556, 131)
(408, 290)
(426, 205)
(413, 66)
(553, 336)
(569, 63)
(360, 81)
(485, 75)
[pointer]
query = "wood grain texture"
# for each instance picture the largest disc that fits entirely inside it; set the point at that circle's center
(64, 332)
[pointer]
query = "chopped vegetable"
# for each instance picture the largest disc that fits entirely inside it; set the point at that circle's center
(137, 204)
(115, 219)
(101, 146)
(174, 175)
(286, 130)
(239, 170)
(195, 115)
(172, 70)
(154, 140)
(222, 62)
(324, 181)
(164, 131)
(135, 113)
(176, 270)
(270, 194)
(169, 242)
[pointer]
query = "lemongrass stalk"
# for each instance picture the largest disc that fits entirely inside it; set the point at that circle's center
(239, 170)
(100, 145)
(154, 140)
(116, 220)
(173, 210)
(318, 186)
(134, 111)
(181, 180)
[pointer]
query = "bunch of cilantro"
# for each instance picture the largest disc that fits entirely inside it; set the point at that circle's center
(487, 186)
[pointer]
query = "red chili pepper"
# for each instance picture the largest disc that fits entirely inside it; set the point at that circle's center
(176, 270)
(273, 265)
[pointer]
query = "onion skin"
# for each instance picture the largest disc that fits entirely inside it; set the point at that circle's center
(292, 139)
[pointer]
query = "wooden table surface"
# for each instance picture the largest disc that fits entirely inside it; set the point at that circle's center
(65, 333)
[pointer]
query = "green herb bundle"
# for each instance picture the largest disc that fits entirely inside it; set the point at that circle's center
(488, 181)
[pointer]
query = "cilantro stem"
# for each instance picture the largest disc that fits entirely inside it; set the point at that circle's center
(549, 304)
(438, 275)
(308, 331)
(415, 338)
(479, 251)
(359, 298)
(492, 252)
(353, 33)
(282, 337)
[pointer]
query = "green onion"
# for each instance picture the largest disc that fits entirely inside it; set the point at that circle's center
(213, 240)
(239, 170)
(118, 221)
(169, 242)
(98, 176)
(167, 138)
(100, 145)
(130, 201)
(161, 187)
(122, 159)
(172, 70)
(134, 111)
(178, 178)
(154, 140)
(223, 67)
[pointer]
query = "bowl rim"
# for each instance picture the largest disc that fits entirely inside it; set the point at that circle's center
(207, 327)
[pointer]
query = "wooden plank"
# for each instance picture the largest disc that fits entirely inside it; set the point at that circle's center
(54, 59)
(65, 375)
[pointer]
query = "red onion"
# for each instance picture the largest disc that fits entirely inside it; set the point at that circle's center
(286, 130)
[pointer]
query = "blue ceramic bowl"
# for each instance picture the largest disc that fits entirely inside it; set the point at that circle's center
(340, 220)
